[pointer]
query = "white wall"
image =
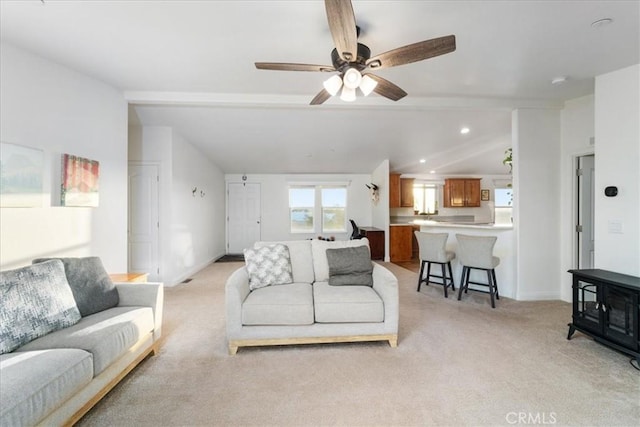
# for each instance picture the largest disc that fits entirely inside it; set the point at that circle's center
(274, 194)
(192, 229)
(577, 119)
(197, 223)
(380, 211)
(536, 178)
(47, 106)
(617, 136)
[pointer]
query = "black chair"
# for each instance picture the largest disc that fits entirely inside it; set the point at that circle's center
(356, 231)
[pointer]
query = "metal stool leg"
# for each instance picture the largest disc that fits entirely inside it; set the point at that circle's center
(495, 282)
(453, 285)
(420, 275)
(491, 290)
(444, 281)
(464, 272)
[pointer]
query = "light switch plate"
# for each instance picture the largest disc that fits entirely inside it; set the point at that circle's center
(615, 226)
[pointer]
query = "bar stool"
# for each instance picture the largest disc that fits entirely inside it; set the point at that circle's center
(432, 251)
(476, 252)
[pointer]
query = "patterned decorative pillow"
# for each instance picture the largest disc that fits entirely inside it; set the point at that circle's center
(35, 300)
(268, 265)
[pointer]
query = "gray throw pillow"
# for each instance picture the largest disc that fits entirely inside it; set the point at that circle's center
(350, 266)
(35, 300)
(268, 265)
(90, 283)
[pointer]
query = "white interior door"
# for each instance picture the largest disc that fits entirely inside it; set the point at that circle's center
(144, 222)
(243, 216)
(586, 208)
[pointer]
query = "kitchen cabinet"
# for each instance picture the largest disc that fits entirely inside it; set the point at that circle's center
(606, 307)
(394, 190)
(401, 242)
(406, 192)
(461, 193)
(400, 191)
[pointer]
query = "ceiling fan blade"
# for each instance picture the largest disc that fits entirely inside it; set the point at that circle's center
(342, 24)
(414, 52)
(322, 96)
(387, 89)
(284, 66)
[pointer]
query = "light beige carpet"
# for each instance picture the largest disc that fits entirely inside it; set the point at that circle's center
(457, 363)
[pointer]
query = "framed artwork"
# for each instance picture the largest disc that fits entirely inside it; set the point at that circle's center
(21, 173)
(79, 181)
(484, 195)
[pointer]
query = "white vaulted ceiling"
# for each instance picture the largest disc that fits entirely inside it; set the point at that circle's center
(189, 65)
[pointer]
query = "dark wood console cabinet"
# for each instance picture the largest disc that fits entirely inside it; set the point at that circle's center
(376, 241)
(606, 306)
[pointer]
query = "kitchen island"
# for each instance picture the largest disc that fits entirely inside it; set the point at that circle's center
(504, 249)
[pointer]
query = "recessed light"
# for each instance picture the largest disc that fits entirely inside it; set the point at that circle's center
(559, 80)
(464, 131)
(601, 22)
(432, 171)
(423, 161)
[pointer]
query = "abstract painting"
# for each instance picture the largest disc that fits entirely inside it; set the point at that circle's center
(20, 176)
(79, 181)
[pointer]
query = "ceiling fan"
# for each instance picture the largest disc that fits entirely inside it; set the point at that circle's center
(352, 59)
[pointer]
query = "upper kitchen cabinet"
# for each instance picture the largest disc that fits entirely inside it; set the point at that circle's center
(461, 193)
(400, 191)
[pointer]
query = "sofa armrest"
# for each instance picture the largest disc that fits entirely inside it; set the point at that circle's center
(144, 295)
(385, 284)
(236, 291)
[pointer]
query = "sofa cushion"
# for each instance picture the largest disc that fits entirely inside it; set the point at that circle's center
(107, 335)
(301, 259)
(350, 266)
(290, 304)
(92, 288)
(34, 383)
(35, 300)
(346, 304)
(268, 265)
(319, 252)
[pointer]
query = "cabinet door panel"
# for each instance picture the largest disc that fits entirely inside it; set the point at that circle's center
(394, 190)
(456, 193)
(472, 193)
(406, 192)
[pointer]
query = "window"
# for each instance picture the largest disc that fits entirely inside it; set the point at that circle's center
(334, 206)
(326, 202)
(504, 197)
(301, 207)
(425, 198)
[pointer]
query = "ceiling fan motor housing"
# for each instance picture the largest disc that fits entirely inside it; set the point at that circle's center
(364, 53)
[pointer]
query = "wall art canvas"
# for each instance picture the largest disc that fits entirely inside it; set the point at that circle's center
(21, 173)
(79, 181)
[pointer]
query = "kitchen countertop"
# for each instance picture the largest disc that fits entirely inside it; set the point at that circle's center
(480, 225)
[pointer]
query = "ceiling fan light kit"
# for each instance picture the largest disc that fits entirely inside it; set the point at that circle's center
(350, 58)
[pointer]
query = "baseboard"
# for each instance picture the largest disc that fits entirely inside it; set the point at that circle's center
(190, 272)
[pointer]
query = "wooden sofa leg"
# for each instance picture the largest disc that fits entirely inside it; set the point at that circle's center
(393, 342)
(233, 349)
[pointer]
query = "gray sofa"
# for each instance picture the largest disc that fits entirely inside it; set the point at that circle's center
(310, 309)
(61, 349)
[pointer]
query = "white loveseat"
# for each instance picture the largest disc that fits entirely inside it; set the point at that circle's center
(57, 362)
(310, 310)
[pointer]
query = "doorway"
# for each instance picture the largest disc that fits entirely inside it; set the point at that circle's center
(243, 216)
(585, 202)
(144, 220)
